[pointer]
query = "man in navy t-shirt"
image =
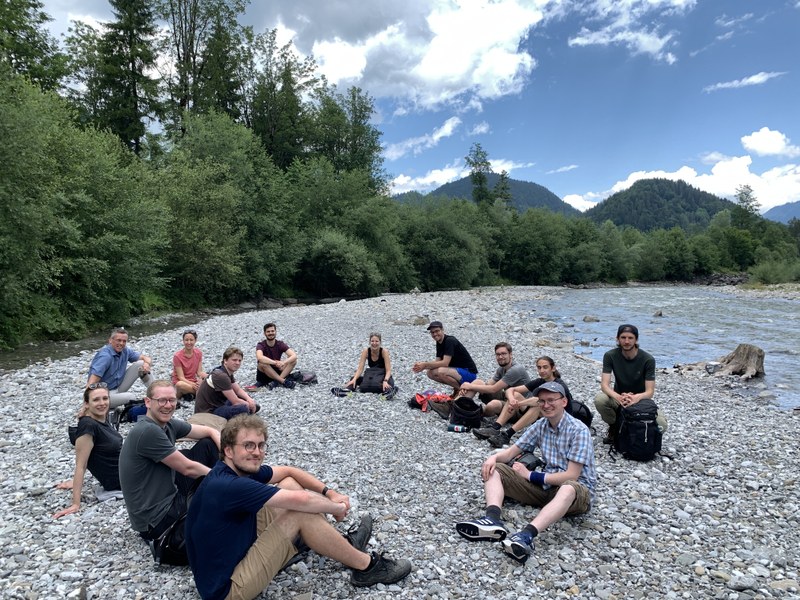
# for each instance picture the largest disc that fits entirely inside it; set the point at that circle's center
(245, 519)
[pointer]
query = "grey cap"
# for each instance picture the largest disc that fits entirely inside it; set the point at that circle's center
(550, 386)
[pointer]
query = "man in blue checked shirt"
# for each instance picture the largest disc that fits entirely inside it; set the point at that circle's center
(565, 487)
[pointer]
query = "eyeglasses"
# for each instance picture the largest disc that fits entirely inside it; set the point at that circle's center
(250, 446)
(100, 385)
(165, 401)
(551, 402)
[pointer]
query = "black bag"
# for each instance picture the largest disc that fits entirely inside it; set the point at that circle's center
(304, 377)
(170, 547)
(638, 436)
(530, 460)
(372, 381)
(581, 412)
(465, 411)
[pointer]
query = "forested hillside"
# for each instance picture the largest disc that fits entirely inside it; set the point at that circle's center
(263, 180)
(659, 204)
(524, 194)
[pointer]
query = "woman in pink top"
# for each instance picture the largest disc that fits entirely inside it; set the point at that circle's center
(187, 367)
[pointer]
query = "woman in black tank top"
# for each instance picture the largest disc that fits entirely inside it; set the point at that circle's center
(374, 356)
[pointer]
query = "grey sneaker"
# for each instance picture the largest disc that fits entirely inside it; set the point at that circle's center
(485, 432)
(440, 408)
(500, 438)
(358, 536)
(518, 547)
(385, 570)
(485, 529)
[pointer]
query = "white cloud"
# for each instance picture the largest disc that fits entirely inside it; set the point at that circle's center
(480, 129)
(727, 22)
(429, 53)
(638, 42)
(633, 24)
(582, 203)
(431, 180)
(418, 144)
(565, 169)
(766, 142)
(503, 164)
(338, 60)
(757, 79)
(773, 187)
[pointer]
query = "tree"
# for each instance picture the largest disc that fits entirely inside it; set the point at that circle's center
(192, 24)
(127, 54)
(83, 86)
(745, 214)
(219, 84)
(277, 113)
(502, 190)
(478, 162)
(26, 46)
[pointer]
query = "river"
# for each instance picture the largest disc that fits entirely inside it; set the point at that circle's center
(698, 324)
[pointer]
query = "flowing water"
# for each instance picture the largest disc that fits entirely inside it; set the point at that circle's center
(698, 324)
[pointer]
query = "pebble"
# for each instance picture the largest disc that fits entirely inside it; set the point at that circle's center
(718, 520)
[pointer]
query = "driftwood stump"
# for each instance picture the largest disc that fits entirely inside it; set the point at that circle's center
(747, 360)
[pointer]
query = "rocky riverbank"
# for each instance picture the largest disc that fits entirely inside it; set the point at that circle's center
(718, 520)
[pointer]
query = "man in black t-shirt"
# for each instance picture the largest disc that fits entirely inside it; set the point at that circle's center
(453, 365)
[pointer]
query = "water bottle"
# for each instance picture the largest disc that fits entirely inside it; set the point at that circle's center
(457, 428)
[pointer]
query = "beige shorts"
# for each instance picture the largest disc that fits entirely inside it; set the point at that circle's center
(266, 557)
(526, 492)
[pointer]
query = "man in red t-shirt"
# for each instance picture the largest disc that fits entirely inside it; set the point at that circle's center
(273, 369)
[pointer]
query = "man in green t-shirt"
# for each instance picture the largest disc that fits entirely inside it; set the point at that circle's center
(634, 372)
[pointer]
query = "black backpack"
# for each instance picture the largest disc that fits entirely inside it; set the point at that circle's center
(581, 412)
(465, 411)
(638, 436)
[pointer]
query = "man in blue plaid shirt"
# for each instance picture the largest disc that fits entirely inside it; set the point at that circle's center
(565, 487)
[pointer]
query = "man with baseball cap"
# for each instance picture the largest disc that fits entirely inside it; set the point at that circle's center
(453, 364)
(565, 487)
(634, 372)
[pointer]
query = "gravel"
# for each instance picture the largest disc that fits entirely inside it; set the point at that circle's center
(717, 520)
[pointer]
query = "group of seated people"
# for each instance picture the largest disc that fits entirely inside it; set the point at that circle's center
(242, 504)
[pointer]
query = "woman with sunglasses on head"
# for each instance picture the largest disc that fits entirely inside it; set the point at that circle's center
(97, 447)
(187, 367)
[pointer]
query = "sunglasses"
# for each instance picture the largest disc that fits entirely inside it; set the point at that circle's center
(100, 385)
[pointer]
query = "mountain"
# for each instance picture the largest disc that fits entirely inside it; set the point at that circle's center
(524, 194)
(659, 204)
(783, 213)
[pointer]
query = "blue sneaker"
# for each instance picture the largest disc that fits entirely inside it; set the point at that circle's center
(518, 546)
(485, 529)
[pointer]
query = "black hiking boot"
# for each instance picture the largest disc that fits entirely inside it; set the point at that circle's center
(384, 570)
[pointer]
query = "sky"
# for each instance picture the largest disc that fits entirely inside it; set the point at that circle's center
(584, 97)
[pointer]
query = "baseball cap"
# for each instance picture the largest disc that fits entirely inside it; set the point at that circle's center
(435, 324)
(550, 386)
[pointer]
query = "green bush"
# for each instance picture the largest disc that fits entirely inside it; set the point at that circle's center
(338, 265)
(776, 272)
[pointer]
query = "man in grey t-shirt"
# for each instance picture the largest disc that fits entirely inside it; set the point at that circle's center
(154, 475)
(508, 375)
